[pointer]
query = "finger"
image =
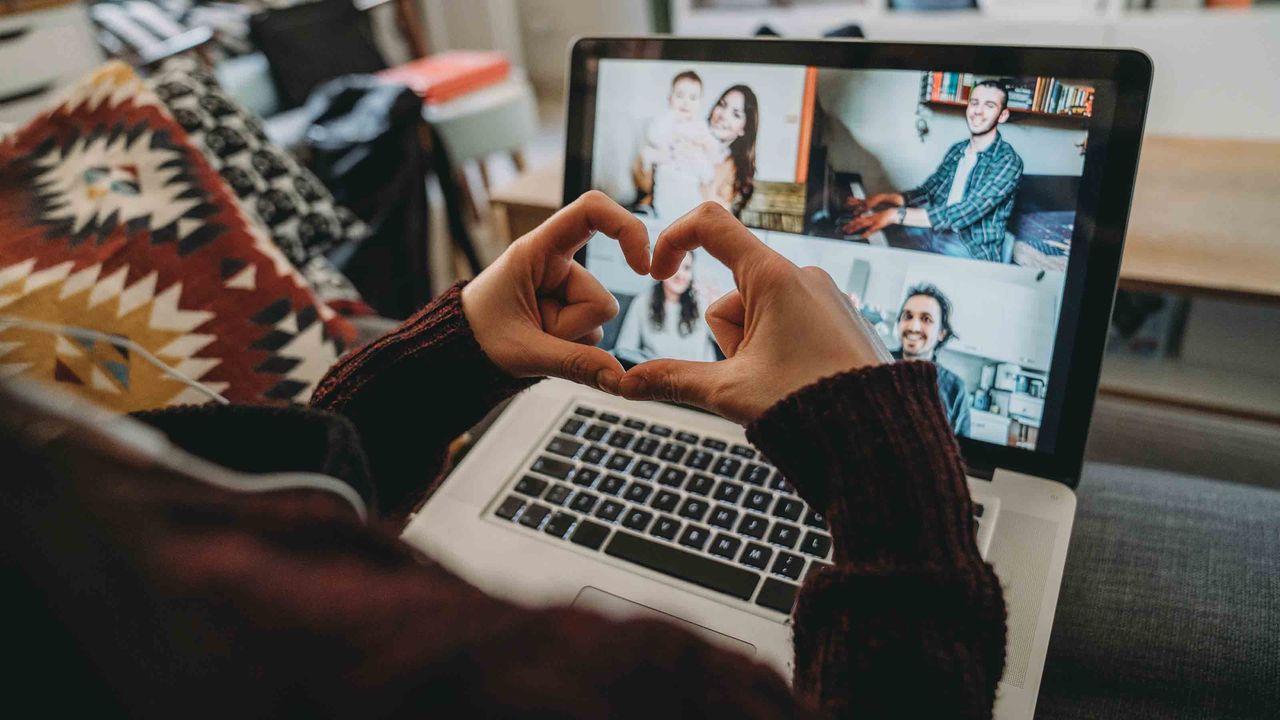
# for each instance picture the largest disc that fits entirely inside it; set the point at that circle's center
(682, 381)
(580, 304)
(570, 228)
(712, 227)
(592, 338)
(727, 317)
(575, 361)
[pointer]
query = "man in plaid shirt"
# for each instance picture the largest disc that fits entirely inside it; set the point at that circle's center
(971, 192)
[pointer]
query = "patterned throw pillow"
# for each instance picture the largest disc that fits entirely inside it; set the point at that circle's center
(295, 207)
(112, 222)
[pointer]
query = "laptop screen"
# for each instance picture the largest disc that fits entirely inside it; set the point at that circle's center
(944, 203)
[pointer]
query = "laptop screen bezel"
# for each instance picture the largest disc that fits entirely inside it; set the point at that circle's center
(1106, 188)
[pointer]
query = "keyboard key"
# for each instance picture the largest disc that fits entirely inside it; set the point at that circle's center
(727, 467)
(645, 469)
(723, 517)
(509, 507)
(584, 502)
(661, 431)
(558, 494)
(743, 451)
(584, 412)
(978, 509)
(672, 452)
(755, 474)
(788, 508)
(645, 446)
(619, 461)
(530, 486)
(672, 477)
(612, 484)
(779, 484)
(586, 477)
(559, 524)
(558, 469)
(609, 418)
(590, 534)
(665, 527)
(596, 433)
(758, 500)
(815, 519)
(665, 501)
(609, 510)
(784, 535)
(777, 595)
(788, 565)
(694, 537)
(693, 509)
(726, 546)
(633, 423)
(621, 439)
(815, 544)
(534, 515)
(684, 565)
(572, 426)
(753, 526)
(638, 492)
(700, 484)
(756, 555)
(594, 455)
(698, 459)
(637, 519)
(712, 443)
(728, 492)
(687, 437)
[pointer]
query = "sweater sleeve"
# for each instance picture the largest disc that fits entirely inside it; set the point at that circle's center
(412, 392)
(909, 621)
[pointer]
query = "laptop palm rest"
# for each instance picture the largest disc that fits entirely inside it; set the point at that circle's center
(620, 608)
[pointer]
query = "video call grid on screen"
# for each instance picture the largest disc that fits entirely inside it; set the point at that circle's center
(797, 152)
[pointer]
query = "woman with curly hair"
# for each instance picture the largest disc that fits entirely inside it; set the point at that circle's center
(669, 324)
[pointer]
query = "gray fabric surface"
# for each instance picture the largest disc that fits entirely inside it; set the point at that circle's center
(1170, 604)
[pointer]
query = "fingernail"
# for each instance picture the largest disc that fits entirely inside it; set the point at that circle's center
(608, 381)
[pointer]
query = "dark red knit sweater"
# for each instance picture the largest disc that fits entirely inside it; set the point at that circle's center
(156, 596)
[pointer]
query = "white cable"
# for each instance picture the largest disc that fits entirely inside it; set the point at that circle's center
(96, 336)
(52, 414)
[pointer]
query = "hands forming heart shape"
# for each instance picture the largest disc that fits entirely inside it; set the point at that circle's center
(535, 311)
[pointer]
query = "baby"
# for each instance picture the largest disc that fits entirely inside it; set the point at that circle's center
(680, 149)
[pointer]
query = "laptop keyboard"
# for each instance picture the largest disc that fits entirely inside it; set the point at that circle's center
(698, 508)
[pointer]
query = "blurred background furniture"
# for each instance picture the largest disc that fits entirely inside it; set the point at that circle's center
(31, 74)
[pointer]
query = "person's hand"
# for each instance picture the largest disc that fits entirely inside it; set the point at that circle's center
(862, 205)
(871, 223)
(784, 327)
(535, 311)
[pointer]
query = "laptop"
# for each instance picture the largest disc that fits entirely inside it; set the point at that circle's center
(642, 509)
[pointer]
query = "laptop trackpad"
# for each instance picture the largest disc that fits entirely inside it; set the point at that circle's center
(620, 608)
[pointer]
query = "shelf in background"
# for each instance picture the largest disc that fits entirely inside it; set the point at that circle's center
(1176, 383)
(1014, 112)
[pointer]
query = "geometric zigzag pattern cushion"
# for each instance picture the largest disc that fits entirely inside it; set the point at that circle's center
(297, 210)
(111, 221)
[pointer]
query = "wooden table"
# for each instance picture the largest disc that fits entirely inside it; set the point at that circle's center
(1205, 218)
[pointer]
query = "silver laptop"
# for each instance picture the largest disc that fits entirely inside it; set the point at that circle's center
(648, 509)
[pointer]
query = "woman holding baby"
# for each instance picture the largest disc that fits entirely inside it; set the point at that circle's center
(686, 161)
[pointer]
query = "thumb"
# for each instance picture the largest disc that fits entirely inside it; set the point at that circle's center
(583, 364)
(682, 381)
